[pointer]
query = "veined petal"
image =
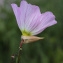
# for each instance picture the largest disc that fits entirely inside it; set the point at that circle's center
(17, 13)
(33, 12)
(23, 10)
(47, 19)
(20, 13)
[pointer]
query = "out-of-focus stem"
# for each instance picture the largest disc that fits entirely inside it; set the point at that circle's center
(12, 59)
(19, 53)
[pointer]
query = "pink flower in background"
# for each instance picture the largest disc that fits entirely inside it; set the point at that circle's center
(30, 20)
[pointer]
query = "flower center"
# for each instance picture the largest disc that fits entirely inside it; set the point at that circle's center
(25, 33)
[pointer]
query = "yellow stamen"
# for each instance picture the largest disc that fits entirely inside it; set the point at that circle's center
(25, 33)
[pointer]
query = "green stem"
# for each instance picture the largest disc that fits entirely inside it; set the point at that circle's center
(19, 53)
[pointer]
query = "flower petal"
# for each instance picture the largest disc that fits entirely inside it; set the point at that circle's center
(47, 19)
(23, 10)
(20, 13)
(33, 12)
(17, 13)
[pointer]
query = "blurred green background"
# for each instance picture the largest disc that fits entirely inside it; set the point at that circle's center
(48, 50)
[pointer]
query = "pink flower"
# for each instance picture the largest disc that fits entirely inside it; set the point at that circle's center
(30, 20)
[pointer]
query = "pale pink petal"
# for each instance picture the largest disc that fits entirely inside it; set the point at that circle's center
(20, 13)
(23, 10)
(33, 12)
(17, 13)
(40, 30)
(47, 19)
